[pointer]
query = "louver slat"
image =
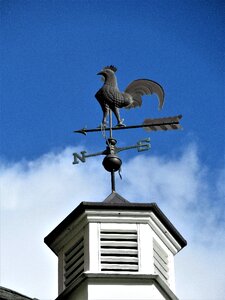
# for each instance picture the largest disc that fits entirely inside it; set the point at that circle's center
(122, 252)
(118, 267)
(111, 259)
(73, 250)
(120, 244)
(115, 237)
(119, 251)
(162, 254)
(74, 262)
(74, 275)
(74, 267)
(160, 270)
(74, 259)
(160, 261)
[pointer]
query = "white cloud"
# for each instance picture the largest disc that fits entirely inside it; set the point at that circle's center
(37, 195)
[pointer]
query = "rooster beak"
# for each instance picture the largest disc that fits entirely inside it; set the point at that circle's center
(100, 73)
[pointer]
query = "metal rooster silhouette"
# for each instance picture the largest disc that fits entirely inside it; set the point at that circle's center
(110, 97)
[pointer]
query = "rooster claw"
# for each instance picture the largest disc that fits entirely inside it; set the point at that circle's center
(120, 125)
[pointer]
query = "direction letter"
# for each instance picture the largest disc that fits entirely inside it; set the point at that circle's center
(76, 156)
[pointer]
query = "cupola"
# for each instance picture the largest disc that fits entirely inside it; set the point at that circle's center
(116, 250)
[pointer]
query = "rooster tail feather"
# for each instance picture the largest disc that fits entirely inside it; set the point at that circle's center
(141, 87)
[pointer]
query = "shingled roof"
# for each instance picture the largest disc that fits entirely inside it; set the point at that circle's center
(7, 294)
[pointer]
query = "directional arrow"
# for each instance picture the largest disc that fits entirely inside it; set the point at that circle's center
(168, 123)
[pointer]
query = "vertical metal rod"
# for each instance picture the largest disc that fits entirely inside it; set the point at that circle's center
(110, 123)
(109, 144)
(113, 181)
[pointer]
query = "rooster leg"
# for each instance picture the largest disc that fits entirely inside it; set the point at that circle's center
(105, 115)
(116, 112)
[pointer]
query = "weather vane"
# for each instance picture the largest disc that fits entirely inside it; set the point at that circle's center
(111, 101)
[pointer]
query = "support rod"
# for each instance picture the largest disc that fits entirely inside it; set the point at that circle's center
(113, 181)
(110, 123)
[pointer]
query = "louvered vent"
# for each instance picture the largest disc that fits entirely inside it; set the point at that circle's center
(119, 250)
(160, 261)
(74, 262)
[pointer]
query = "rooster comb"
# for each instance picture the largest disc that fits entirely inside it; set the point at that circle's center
(111, 67)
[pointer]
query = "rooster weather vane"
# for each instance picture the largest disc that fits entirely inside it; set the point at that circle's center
(111, 101)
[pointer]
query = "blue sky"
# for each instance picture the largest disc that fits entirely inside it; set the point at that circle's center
(52, 50)
(50, 54)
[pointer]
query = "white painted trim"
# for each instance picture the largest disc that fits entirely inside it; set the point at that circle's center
(135, 217)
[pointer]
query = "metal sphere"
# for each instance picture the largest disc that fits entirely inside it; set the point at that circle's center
(111, 141)
(112, 163)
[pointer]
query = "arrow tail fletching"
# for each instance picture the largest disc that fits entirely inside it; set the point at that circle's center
(170, 123)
